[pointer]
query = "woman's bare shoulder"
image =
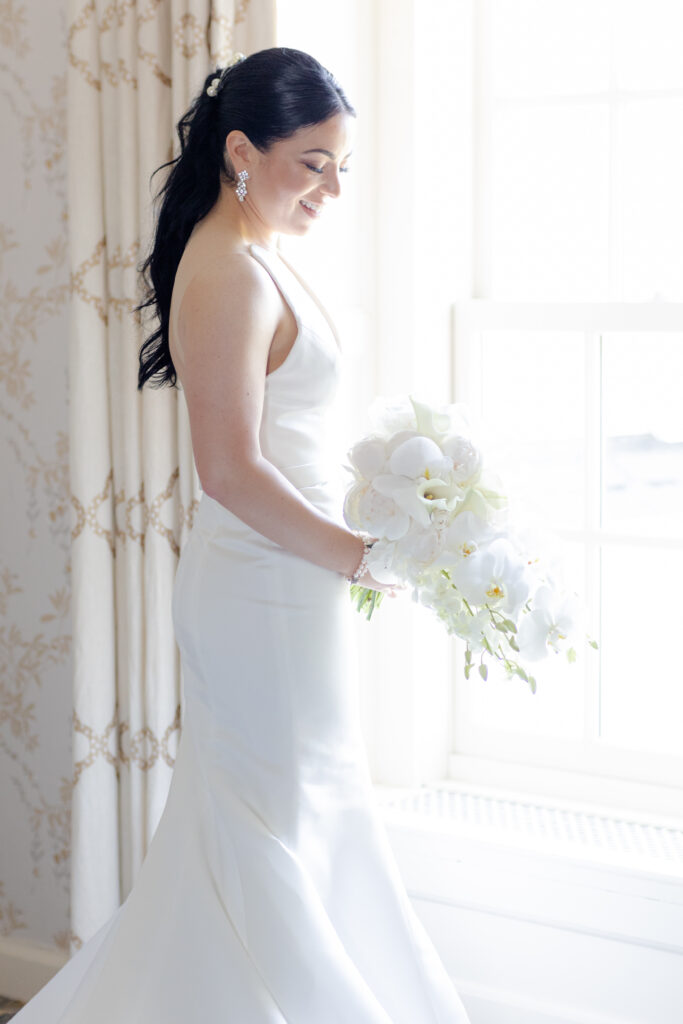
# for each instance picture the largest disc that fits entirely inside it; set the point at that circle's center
(205, 265)
(218, 282)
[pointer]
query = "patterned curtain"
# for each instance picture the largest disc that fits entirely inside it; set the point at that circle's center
(134, 67)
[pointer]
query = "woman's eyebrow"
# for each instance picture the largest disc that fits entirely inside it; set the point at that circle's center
(326, 152)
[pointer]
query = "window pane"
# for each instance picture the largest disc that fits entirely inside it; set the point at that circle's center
(643, 431)
(533, 417)
(642, 677)
(649, 155)
(550, 203)
(647, 44)
(550, 48)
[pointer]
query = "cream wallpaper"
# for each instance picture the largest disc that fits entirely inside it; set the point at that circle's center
(35, 629)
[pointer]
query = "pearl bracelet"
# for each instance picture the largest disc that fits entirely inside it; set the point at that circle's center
(363, 564)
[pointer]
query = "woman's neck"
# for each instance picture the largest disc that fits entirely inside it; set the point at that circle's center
(240, 222)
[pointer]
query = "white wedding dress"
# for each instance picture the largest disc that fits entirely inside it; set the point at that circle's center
(269, 893)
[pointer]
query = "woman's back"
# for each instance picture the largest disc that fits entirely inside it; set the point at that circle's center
(207, 246)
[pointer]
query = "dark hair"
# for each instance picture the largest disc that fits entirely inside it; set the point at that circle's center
(269, 96)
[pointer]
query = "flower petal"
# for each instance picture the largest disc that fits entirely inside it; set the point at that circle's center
(368, 456)
(416, 456)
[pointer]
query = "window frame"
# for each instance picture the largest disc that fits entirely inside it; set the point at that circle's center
(589, 768)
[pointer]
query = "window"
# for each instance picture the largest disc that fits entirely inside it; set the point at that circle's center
(580, 406)
(578, 109)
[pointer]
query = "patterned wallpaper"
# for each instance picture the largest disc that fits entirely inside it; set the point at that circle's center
(35, 629)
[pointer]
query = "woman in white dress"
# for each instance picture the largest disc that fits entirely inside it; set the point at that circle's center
(269, 893)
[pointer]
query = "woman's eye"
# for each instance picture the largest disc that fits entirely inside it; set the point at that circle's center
(319, 170)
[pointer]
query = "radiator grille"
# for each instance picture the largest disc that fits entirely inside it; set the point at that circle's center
(533, 822)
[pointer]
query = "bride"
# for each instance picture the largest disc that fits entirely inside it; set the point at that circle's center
(269, 893)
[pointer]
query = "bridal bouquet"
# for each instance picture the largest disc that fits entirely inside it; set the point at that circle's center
(420, 486)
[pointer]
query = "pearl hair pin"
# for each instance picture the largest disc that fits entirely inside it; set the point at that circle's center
(216, 83)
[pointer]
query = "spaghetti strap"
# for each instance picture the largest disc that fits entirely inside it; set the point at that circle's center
(295, 289)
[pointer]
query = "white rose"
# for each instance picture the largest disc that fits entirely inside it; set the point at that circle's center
(467, 460)
(351, 508)
(441, 519)
(368, 457)
(419, 547)
(380, 515)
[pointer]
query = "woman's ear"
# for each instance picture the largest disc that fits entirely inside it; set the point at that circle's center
(239, 148)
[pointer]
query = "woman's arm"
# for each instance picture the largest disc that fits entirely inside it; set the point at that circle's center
(226, 322)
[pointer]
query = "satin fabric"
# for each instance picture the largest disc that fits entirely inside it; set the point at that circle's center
(269, 892)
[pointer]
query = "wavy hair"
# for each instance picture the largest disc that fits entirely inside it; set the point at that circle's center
(269, 96)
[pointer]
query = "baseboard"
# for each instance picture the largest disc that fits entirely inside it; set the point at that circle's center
(487, 1005)
(26, 966)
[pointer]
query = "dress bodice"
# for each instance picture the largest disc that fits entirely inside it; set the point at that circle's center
(295, 432)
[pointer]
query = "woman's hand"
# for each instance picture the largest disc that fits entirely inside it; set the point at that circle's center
(368, 580)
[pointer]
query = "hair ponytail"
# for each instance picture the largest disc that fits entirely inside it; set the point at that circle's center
(189, 192)
(269, 96)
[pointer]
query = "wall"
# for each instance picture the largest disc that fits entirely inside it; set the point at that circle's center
(536, 937)
(35, 629)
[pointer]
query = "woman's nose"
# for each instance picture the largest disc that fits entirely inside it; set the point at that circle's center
(332, 184)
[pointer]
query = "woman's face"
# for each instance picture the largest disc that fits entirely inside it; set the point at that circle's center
(306, 168)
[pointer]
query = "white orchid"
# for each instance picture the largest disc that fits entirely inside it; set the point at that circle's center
(441, 521)
(493, 575)
(550, 625)
(382, 562)
(478, 630)
(466, 534)
(438, 592)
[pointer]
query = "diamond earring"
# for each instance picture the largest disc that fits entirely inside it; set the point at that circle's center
(241, 189)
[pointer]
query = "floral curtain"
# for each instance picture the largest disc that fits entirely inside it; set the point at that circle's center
(133, 70)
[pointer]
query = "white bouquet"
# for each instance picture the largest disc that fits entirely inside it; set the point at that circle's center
(442, 527)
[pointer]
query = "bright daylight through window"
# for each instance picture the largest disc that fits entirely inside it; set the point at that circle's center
(578, 383)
